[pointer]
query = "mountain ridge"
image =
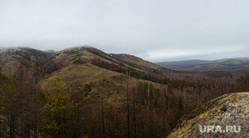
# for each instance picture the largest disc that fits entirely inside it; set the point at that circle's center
(226, 64)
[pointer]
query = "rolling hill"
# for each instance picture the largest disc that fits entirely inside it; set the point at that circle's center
(87, 65)
(95, 78)
(234, 64)
(79, 66)
(115, 95)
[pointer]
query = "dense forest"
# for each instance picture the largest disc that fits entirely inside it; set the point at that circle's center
(148, 108)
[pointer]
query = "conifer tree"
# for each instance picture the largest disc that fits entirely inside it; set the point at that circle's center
(180, 103)
(58, 111)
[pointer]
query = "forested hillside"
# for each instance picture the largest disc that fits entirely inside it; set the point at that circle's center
(84, 92)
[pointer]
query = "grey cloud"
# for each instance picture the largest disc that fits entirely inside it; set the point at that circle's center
(156, 30)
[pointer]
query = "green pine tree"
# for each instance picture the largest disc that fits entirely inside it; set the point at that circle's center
(199, 109)
(58, 111)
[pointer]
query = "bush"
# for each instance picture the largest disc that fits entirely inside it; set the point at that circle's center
(199, 109)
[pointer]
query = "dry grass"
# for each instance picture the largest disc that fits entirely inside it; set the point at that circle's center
(137, 61)
(213, 115)
(107, 84)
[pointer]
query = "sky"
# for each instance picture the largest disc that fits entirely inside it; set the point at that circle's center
(155, 30)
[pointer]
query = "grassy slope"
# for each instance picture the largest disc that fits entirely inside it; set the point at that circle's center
(237, 107)
(135, 61)
(106, 84)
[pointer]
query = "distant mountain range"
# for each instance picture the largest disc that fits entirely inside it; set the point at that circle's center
(226, 64)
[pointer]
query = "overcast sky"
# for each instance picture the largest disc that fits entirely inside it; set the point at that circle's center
(156, 30)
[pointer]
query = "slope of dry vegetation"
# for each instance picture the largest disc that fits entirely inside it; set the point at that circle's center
(112, 95)
(226, 110)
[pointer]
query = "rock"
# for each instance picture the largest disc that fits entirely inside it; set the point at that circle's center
(228, 110)
(223, 108)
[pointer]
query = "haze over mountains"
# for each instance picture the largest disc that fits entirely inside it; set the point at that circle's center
(226, 64)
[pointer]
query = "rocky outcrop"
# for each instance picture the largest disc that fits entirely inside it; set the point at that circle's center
(225, 116)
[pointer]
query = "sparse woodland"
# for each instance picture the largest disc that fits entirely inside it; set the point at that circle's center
(148, 110)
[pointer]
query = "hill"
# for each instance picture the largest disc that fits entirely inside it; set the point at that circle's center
(97, 80)
(113, 95)
(137, 62)
(225, 116)
(228, 65)
(82, 66)
(174, 64)
(235, 64)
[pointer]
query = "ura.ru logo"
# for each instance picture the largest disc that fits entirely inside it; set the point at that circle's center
(219, 129)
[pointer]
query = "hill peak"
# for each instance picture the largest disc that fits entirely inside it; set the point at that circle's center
(233, 61)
